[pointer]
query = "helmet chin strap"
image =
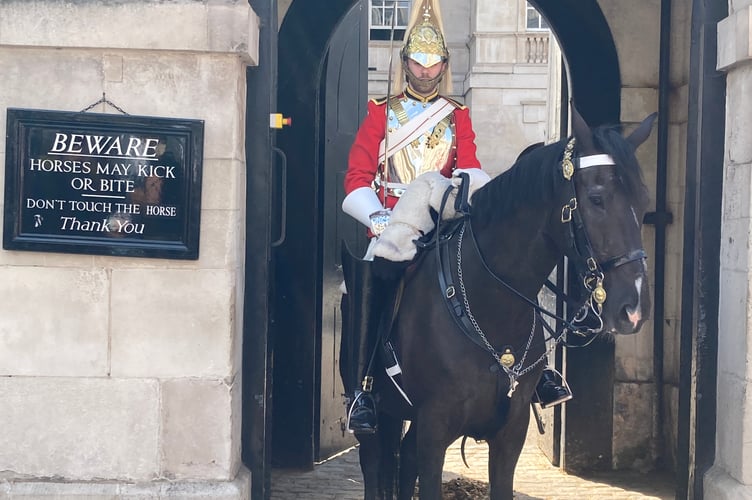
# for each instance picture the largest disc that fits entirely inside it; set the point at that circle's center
(421, 83)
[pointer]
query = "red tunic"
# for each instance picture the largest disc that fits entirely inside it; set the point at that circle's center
(362, 165)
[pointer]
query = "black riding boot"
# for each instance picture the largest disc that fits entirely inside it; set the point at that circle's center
(361, 306)
(552, 389)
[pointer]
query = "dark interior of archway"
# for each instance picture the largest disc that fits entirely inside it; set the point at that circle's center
(589, 50)
(303, 40)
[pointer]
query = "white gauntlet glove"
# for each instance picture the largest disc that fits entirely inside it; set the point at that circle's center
(360, 204)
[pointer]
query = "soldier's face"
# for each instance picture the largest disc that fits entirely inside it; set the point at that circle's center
(424, 80)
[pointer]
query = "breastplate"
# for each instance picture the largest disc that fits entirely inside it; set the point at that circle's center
(428, 152)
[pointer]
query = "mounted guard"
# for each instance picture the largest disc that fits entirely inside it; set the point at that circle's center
(419, 133)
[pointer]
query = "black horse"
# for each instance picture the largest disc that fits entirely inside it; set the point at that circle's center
(468, 332)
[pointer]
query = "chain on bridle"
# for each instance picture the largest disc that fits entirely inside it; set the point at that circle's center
(591, 272)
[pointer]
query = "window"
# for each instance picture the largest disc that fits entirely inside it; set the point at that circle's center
(380, 18)
(535, 21)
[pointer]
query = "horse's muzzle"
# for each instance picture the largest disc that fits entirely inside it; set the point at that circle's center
(630, 310)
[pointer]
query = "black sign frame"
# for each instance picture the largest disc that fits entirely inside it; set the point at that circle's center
(147, 205)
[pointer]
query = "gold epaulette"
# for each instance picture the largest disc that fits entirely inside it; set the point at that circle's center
(454, 103)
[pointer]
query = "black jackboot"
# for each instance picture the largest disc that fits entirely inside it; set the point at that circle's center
(552, 389)
(361, 306)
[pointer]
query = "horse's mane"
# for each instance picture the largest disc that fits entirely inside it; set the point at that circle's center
(530, 179)
(536, 175)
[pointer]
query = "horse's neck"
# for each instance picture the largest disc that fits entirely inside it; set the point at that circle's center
(519, 251)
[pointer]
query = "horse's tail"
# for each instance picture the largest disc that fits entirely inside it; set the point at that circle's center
(462, 451)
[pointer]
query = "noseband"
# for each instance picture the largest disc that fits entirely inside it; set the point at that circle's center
(591, 272)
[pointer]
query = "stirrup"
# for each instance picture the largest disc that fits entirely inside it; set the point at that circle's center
(565, 396)
(364, 406)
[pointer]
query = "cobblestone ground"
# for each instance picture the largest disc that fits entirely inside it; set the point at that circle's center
(536, 479)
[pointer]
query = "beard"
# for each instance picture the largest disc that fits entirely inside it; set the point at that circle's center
(422, 85)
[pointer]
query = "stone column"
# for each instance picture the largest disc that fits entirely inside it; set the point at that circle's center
(731, 475)
(120, 377)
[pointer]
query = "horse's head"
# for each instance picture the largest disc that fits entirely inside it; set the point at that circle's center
(606, 222)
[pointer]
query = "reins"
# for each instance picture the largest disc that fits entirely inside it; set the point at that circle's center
(591, 272)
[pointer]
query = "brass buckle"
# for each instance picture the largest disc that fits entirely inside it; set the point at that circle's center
(566, 210)
(592, 265)
(367, 384)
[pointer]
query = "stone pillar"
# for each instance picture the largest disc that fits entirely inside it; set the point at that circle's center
(120, 377)
(731, 475)
(634, 386)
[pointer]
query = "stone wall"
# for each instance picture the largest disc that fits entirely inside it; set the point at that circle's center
(731, 475)
(121, 376)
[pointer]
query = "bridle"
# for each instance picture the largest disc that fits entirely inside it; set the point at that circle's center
(591, 273)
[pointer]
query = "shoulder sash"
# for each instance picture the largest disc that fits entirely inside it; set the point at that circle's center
(404, 135)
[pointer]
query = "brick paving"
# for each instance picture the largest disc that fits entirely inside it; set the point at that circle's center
(338, 478)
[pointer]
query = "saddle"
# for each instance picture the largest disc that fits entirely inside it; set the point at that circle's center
(396, 272)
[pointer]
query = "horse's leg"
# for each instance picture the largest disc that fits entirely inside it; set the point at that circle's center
(369, 453)
(504, 450)
(408, 470)
(390, 430)
(432, 441)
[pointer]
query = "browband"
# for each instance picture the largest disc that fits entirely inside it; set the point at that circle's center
(593, 160)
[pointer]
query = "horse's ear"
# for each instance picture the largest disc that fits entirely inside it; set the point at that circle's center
(582, 133)
(642, 132)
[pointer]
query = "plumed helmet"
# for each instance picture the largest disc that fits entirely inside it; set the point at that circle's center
(425, 42)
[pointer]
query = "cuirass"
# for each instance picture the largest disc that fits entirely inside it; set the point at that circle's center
(429, 152)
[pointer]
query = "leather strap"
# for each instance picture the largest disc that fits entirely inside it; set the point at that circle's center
(415, 127)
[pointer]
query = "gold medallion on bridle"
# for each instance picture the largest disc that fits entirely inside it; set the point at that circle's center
(507, 358)
(567, 168)
(599, 294)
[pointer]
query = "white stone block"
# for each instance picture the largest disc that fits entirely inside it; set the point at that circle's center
(488, 16)
(735, 243)
(736, 194)
(225, 26)
(237, 489)
(638, 103)
(735, 39)
(197, 429)
(734, 408)
(79, 428)
(32, 79)
(223, 184)
(222, 239)
(719, 485)
(739, 115)
(638, 55)
(53, 321)
(634, 355)
(209, 88)
(733, 322)
(172, 323)
(633, 429)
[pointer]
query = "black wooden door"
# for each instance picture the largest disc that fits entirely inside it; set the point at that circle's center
(322, 70)
(345, 86)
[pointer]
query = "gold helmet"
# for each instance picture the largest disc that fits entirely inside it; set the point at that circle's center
(425, 43)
